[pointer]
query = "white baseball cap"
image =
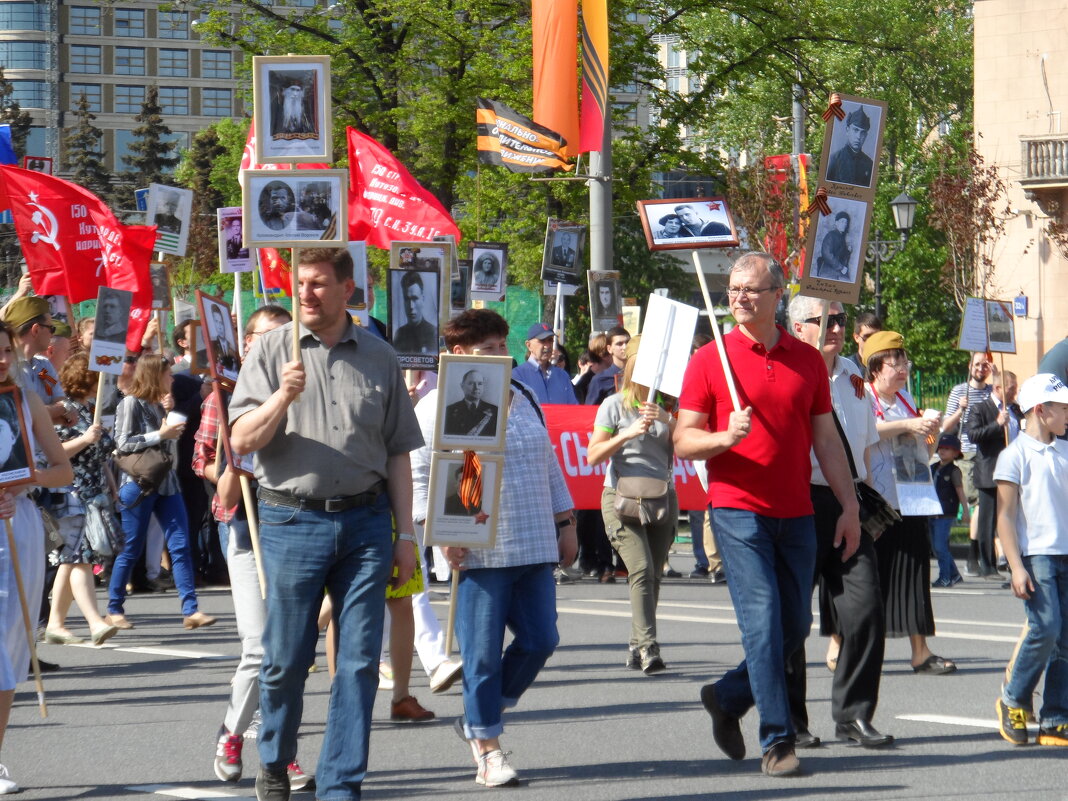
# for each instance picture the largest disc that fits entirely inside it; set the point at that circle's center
(1041, 388)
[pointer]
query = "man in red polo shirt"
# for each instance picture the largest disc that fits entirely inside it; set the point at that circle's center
(758, 493)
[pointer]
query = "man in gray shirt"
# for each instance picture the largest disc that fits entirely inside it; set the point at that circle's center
(331, 435)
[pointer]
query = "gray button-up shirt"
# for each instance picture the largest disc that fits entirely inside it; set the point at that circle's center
(353, 415)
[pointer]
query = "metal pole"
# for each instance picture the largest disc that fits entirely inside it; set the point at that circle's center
(878, 276)
(601, 203)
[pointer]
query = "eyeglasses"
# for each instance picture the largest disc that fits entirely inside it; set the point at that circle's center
(899, 366)
(734, 291)
(50, 327)
(832, 320)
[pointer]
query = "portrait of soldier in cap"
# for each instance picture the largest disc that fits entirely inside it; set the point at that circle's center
(849, 164)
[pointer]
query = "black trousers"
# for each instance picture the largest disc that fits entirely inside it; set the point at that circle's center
(851, 605)
(595, 551)
(985, 527)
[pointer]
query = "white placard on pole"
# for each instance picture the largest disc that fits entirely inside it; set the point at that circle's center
(973, 326)
(668, 330)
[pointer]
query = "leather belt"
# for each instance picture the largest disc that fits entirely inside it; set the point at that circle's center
(340, 504)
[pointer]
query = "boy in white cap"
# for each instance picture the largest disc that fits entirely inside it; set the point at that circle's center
(1032, 479)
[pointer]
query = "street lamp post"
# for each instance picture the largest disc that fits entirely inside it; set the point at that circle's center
(883, 250)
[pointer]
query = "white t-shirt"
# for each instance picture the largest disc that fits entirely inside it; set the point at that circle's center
(854, 413)
(1040, 470)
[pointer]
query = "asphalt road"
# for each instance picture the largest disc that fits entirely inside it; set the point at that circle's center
(137, 718)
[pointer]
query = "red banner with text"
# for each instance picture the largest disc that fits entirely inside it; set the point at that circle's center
(569, 430)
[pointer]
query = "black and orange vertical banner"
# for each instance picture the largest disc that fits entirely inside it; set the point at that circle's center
(594, 75)
(555, 29)
(508, 139)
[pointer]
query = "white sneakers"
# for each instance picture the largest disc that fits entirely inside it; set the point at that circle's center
(7, 784)
(494, 770)
(445, 675)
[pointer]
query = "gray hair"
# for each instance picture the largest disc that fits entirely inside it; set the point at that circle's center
(802, 307)
(750, 261)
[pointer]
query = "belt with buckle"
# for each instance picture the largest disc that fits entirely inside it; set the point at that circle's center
(340, 504)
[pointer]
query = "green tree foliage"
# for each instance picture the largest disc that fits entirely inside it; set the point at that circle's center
(195, 172)
(152, 148)
(82, 153)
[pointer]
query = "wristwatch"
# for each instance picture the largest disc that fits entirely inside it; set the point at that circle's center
(408, 538)
(567, 521)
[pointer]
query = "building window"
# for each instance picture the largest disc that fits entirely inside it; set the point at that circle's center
(129, 61)
(85, 20)
(672, 55)
(129, 99)
(625, 115)
(215, 102)
(122, 148)
(173, 24)
(22, 55)
(174, 99)
(91, 92)
(35, 141)
(23, 17)
(30, 94)
(130, 22)
(215, 64)
(174, 63)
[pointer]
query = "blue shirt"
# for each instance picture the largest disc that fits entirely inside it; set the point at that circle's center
(554, 387)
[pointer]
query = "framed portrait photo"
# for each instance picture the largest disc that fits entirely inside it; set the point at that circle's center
(834, 253)
(851, 149)
(421, 256)
(687, 223)
(241, 465)
(290, 208)
(234, 257)
(460, 293)
(161, 285)
(562, 253)
(109, 337)
(198, 351)
(16, 459)
(220, 339)
(170, 209)
(291, 100)
(463, 513)
(1000, 326)
(606, 300)
(37, 164)
(473, 393)
(489, 264)
(414, 316)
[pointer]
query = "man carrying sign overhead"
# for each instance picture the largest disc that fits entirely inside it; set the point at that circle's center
(758, 492)
(332, 435)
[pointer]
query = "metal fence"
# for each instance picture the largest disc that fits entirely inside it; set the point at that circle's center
(931, 389)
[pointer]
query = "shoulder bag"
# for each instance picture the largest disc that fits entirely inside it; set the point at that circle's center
(876, 515)
(641, 500)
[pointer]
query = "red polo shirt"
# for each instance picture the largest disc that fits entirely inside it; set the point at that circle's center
(767, 472)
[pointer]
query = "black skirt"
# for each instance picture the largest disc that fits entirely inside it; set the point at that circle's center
(904, 554)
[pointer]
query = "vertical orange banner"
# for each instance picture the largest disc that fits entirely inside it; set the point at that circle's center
(555, 24)
(594, 74)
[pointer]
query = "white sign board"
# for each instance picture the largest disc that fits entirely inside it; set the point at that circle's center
(665, 347)
(973, 326)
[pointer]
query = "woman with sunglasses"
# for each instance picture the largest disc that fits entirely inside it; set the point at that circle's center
(903, 550)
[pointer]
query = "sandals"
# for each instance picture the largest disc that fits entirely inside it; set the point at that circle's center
(935, 666)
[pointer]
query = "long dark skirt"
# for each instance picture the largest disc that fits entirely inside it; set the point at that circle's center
(904, 554)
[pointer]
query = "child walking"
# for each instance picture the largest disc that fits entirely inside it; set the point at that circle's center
(950, 489)
(1032, 479)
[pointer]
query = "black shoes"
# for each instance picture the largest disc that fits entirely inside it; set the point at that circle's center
(272, 785)
(726, 730)
(717, 577)
(650, 659)
(862, 733)
(803, 738)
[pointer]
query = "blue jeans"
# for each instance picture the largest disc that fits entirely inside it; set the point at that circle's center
(523, 599)
(947, 568)
(350, 554)
(1046, 645)
(697, 537)
(769, 564)
(170, 511)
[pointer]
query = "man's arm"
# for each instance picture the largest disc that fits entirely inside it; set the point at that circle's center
(254, 429)
(694, 442)
(1008, 500)
(984, 425)
(955, 406)
(830, 453)
(399, 488)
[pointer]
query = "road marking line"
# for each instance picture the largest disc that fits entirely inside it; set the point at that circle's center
(953, 720)
(188, 793)
(179, 653)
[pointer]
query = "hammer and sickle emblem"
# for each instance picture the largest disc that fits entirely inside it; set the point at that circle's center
(44, 217)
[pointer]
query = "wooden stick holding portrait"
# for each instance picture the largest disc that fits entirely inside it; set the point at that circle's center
(720, 348)
(13, 552)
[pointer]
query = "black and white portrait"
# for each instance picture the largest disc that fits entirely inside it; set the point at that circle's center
(291, 99)
(562, 256)
(911, 460)
(223, 360)
(413, 308)
(112, 315)
(463, 501)
(57, 305)
(359, 299)
(15, 465)
(234, 257)
(294, 207)
(606, 303)
(166, 218)
(170, 209)
(488, 267)
(161, 285)
(472, 402)
(461, 287)
(687, 223)
(854, 142)
(1000, 330)
(837, 255)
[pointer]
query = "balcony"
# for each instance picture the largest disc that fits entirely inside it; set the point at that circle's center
(1044, 174)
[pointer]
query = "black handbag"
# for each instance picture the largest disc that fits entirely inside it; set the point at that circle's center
(876, 515)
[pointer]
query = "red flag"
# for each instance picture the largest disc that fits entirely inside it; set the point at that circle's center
(127, 269)
(276, 272)
(59, 226)
(594, 75)
(386, 203)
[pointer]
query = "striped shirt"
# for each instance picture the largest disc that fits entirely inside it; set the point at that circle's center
(975, 397)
